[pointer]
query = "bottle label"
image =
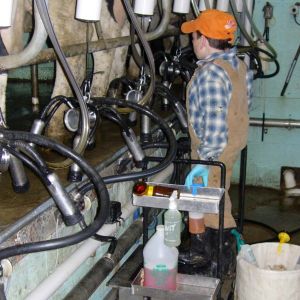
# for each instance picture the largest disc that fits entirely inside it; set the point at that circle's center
(172, 231)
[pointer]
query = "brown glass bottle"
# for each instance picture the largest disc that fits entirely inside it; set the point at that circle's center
(143, 189)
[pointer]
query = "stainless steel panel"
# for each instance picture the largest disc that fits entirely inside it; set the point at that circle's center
(204, 199)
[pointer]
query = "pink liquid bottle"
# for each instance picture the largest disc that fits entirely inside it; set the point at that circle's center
(160, 262)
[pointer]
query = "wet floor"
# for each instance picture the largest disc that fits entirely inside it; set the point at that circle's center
(264, 207)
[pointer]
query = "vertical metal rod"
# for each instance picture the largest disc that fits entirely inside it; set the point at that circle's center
(242, 185)
(145, 225)
(34, 85)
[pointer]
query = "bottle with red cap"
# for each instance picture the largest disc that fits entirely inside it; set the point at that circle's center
(141, 188)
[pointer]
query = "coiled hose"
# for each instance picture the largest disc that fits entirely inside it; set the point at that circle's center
(100, 188)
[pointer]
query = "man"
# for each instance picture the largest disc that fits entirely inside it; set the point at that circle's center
(218, 98)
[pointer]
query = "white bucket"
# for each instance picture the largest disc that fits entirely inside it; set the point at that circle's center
(266, 282)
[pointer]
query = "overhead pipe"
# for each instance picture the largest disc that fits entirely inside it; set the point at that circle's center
(48, 55)
(94, 278)
(35, 45)
(279, 123)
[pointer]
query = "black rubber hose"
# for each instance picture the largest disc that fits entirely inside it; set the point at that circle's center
(32, 153)
(53, 101)
(100, 188)
(275, 61)
(272, 57)
(114, 116)
(166, 161)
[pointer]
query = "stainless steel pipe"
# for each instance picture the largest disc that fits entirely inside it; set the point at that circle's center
(279, 123)
(48, 55)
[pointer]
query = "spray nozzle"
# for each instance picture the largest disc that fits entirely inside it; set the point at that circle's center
(172, 202)
(283, 238)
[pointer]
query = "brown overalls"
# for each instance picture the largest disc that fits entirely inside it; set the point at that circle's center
(237, 124)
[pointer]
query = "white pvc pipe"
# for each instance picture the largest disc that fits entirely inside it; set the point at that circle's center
(144, 7)
(202, 5)
(6, 7)
(88, 10)
(223, 5)
(50, 285)
(181, 6)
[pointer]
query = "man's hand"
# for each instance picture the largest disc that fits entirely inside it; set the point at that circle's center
(197, 170)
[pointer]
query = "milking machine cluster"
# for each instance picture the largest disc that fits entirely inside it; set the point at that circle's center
(126, 100)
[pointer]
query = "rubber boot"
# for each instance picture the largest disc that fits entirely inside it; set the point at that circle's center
(196, 258)
(228, 263)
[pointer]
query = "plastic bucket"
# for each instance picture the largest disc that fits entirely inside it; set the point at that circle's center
(276, 277)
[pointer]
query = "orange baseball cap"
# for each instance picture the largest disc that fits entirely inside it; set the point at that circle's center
(214, 24)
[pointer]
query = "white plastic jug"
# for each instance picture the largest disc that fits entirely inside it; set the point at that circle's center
(160, 262)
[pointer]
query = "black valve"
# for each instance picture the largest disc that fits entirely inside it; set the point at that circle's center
(115, 212)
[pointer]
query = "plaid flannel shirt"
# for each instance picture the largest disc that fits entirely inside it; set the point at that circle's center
(210, 92)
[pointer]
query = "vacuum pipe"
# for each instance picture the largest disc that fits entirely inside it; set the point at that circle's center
(50, 285)
(93, 279)
(280, 123)
(48, 55)
(35, 45)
